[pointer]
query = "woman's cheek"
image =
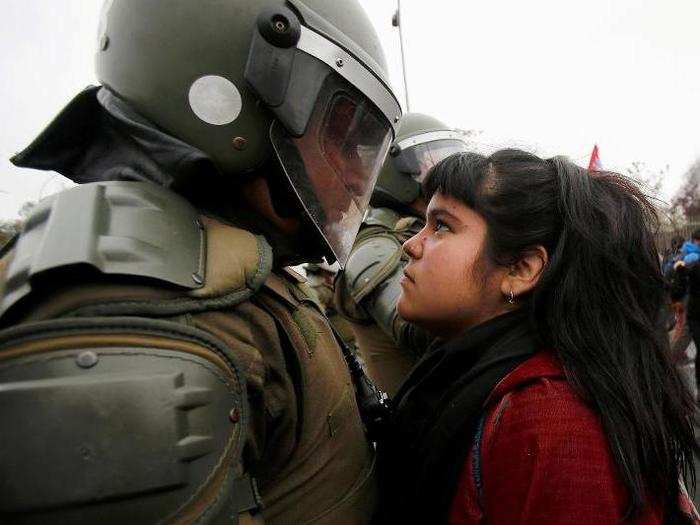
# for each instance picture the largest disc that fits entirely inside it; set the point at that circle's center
(406, 306)
(413, 305)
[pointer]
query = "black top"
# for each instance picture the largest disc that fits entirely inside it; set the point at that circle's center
(437, 411)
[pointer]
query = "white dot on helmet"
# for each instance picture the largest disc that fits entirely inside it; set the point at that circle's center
(215, 100)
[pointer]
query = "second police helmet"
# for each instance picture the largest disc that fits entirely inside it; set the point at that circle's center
(421, 142)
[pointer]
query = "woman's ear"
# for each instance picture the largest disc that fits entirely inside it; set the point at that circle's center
(525, 273)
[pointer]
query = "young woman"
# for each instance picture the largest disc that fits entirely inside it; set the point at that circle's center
(550, 397)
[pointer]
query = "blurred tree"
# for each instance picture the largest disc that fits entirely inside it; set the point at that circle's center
(650, 179)
(687, 198)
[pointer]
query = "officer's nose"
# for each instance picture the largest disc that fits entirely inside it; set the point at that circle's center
(413, 247)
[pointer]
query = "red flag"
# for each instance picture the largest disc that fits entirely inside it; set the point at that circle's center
(594, 164)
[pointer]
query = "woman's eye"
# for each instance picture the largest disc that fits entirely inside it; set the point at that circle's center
(441, 226)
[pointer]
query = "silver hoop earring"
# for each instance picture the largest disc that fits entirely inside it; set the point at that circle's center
(511, 297)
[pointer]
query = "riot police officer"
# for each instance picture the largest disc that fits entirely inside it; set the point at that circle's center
(157, 362)
(367, 291)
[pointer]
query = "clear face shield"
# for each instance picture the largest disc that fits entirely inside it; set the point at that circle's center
(418, 154)
(334, 125)
(333, 167)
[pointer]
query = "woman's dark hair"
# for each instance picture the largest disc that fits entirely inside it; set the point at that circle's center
(599, 301)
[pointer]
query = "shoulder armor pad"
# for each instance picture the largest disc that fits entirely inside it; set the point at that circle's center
(381, 217)
(126, 228)
(409, 224)
(370, 263)
(380, 220)
(147, 402)
(139, 230)
(236, 260)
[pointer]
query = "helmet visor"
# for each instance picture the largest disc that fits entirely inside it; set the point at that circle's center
(334, 166)
(417, 160)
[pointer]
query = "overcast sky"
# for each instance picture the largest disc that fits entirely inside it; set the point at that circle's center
(550, 76)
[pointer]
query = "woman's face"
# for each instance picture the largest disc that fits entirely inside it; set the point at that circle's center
(449, 285)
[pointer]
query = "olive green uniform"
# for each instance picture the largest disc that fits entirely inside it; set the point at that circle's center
(366, 295)
(320, 284)
(157, 362)
(304, 441)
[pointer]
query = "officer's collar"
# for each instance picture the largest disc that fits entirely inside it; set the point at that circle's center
(98, 137)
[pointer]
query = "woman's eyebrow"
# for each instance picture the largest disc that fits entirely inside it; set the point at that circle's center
(434, 212)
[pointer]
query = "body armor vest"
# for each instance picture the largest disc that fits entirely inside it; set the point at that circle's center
(157, 371)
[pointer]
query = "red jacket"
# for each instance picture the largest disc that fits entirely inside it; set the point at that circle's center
(544, 457)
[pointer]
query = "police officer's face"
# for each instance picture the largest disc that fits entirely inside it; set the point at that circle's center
(449, 285)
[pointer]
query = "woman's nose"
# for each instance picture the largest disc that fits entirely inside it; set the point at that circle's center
(413, 247)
